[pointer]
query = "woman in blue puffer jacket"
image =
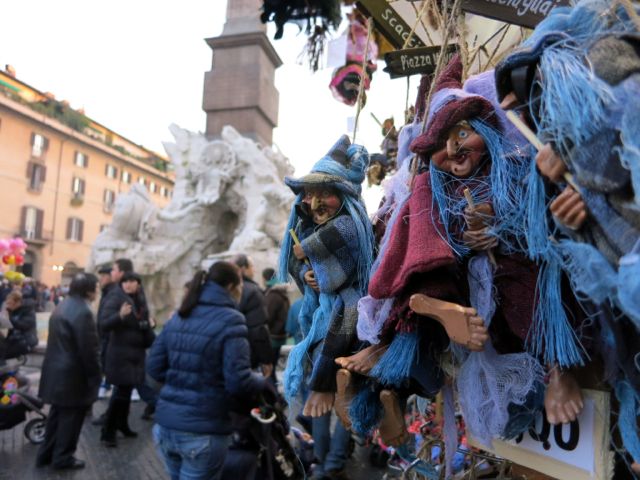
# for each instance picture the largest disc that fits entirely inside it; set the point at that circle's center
(202, 356)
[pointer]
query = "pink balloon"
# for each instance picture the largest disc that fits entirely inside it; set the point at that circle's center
(17, 245)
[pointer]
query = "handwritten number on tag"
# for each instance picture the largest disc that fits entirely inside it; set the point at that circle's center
(545, 431)
(574, 436)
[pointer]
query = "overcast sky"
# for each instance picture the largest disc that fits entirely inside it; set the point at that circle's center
(138, 66)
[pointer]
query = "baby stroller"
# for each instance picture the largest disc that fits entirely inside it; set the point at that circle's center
(260, 446)
(15, 402)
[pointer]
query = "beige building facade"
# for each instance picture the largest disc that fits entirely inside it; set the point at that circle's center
(60, 174)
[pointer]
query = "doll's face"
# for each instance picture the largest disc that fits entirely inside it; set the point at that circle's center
(462, 153)
(323, 203)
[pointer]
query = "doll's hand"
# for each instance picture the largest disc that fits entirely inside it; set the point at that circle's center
(310, 278)
(479, 216)
(318, 404)
(569, 209)
(298, 252)
(550, 164)
(479, 240)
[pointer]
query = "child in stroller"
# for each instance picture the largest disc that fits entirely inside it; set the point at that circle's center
(15, 402)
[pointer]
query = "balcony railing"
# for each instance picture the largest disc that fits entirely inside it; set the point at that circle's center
(36, 238)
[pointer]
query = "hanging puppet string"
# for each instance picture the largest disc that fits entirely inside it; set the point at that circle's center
(417, 22)
(483, 47)
(432, 8)
(498, 45)
(362, 78)
(463, 46)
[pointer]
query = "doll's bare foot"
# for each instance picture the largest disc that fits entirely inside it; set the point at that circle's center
(318, 404)
(462, 324)
(363, 361)
(344, 395)
(393, 431)
(563, 398)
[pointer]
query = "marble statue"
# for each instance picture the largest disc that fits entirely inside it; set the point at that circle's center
(229, 197)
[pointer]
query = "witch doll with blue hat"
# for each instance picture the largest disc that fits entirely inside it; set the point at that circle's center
(576, 82)
(328, 250)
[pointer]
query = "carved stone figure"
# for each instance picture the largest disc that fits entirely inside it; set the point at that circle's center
(229, 197)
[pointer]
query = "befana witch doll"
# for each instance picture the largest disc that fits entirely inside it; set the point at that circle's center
(328, 250)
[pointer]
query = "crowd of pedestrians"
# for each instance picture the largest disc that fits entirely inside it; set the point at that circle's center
(212, 361)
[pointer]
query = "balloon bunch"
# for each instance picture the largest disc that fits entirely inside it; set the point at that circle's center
(12, 253)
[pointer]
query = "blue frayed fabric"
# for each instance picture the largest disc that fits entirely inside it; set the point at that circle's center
(628, 285)
(551, 336)
(522, 416)
(365, 411)
(394, 367)
(589, 272)
(569, 85)
(300, 354)
(628, 418)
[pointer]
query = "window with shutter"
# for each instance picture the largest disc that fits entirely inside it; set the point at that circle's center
(37, 176)
(75, 229)
(39, 145)
(81, 160)
(30, 223)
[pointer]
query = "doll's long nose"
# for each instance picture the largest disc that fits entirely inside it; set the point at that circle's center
(315, 203)
(452, 147)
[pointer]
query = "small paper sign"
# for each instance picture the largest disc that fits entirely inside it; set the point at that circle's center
(389, 23)
(579, 450)
(403, 63)
(526, 13)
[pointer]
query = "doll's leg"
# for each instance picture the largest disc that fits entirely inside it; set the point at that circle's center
(363, 361)
(344, 395)
(563, 399)
(392, 428)
(462, 324)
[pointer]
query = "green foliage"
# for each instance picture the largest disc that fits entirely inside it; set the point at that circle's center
(62, 113)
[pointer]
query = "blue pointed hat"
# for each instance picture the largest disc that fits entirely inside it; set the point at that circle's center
(342, 168)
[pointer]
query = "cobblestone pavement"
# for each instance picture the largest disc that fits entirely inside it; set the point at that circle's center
(134, 459)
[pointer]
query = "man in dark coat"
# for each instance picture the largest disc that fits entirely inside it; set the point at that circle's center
(70, 373)
(21, 317)
(253, 308)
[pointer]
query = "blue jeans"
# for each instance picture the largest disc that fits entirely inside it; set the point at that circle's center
(191, 456)
(330, 450)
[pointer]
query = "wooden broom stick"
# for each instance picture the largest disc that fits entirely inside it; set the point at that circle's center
(296, 240)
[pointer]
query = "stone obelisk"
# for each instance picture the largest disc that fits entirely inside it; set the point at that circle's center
(239, 90)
